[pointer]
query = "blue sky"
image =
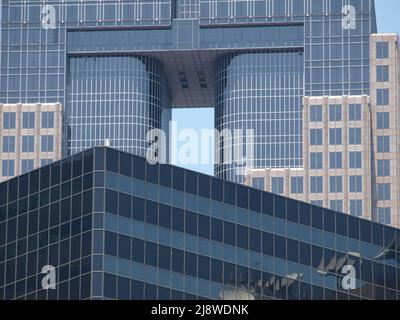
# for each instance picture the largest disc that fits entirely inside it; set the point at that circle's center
(388, 22)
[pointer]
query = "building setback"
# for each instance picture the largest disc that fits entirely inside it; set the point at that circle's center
(351, 146)
(118, 68)
(30, 137)
(112, 226)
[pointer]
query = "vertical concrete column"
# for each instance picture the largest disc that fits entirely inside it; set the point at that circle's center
(325, 119)
(367, 168)
(306, 148)
(345, 153)
(37, 134)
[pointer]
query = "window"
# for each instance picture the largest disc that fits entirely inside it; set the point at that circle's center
(9, 144)
(9, 120)
(316, 184)
(277, 185)
(355, 160)
(384, 216)
(356, 207)
(258, 183)
(316, 113)
(354, 136)
(382, 97)
(27, 165)
(316, 161)
(318, 203)
(316, 137)
(383, 168)
(335, 112)
(7, 168)
(355, 112)
(47, 144)
(28, 120)
(335, 160)
(28, 144)
(336, 184)
(296, 185)
(335, 136)
(382, 50)
(44, 162)
(383, 191)
(383, 144)
(382, 73)
(336, 205)
(47, 120)
(355, 183)
(382, 120)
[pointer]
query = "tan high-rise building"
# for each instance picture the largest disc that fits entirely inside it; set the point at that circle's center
(30, 136)
(351, 146)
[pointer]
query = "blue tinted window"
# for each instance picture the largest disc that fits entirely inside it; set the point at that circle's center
(355, 183)
(258, 183)
(382, 50)
(8, 168)
(383, 191)
(382, 73)
(296, 184)
(316, 113)
(355, 160)
(204, 227)
(28, 144)
(384, 216)
(335, 160)
(47, 144)
(382, 97)
(336, 184)
(47, 120)
(178, 217)
(335, 112)
(336, 205)
(9, 144)
(382, 120)
(355, 136)
(383, 168)
(138, 209)
(137, 250)
(277, 185)
(356, 208)
(355, 112)
(316, 137)
(316, 184)
(191, 223)
(27, 165)
(28, 120)
(9, 120)
(383, 144)
(316, 160)
(216, 230)
(335, 136)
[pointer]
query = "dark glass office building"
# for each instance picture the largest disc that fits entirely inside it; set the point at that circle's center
(115, 227)
(118, 67)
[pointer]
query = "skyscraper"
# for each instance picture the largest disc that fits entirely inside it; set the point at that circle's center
(118, 68)
(350, 143)
(104, 224)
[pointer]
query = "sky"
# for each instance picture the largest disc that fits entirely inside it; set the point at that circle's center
(387, 12)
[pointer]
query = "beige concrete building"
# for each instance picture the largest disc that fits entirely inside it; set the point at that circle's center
(351, 146)
(30, 136)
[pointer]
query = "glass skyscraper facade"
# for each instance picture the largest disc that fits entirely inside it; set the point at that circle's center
(261, 91)
(116, 98)
(310, 78)
(231, 55)
(113, 226)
